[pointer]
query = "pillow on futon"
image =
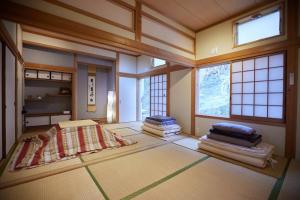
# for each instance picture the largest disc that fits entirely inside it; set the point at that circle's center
(225, 126)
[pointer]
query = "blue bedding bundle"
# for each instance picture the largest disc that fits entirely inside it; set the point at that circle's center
(161, 120)
(234, 134)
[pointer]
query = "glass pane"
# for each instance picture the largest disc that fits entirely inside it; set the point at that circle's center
(160, 78)
(248, 87)
(261, 99)
(214, 91)
(152, 79)
(165, 100)
(236, 109)
(158, 62)
(236, 77)
(275, 86)
(247, 110)
(164, 85)
(261, 63)
(236, 99)
(261, 111)
(248, 65)
(236, 88)
(248, 76)
(164, 93)
(261, 75)
(237, 66)
(261, 87)
(164, 77)
(276, 73)
(275, 112)
(276, 99)
(262, 27)
(248, 98)
(276, 60)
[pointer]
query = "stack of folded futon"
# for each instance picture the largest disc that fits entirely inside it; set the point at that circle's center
(237, 142)
(161, 126)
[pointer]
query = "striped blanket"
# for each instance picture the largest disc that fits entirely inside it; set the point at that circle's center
(59, 144)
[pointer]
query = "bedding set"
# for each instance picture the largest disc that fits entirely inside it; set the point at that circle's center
(237, 142)
(161, 126)
(65, 143)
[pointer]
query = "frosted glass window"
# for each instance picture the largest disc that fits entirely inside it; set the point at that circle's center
(261, 75)
(237, 67)
(261, 111)
(275, 99)
(276, 73)
(275, 112)
(263, 26)
(275, 86)
(158, 94)
(236, 88)
(261, 63)
(276, 60)
(247, 110)
(248, 98)
(248, 65)
(261, 99)
(158, 62)
(248, 87)
(261, 87)
(213, 95)
(236, 109)
(236, 77)
(236, 99)
(248, 76)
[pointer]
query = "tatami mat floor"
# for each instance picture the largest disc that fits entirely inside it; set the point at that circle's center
(151, 169)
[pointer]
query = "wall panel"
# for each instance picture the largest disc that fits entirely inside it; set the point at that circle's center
(127, 64)
(298, 112)
(1, 132)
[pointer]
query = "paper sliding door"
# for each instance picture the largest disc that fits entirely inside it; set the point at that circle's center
(127, 99)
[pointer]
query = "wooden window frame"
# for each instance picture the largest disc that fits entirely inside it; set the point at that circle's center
(249, 119)
(262, 12)
(166, 97)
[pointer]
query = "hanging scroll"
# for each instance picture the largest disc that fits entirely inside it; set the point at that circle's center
(91, 94)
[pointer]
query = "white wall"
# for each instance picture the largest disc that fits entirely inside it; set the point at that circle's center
(11, 27)
(144, 64)
(180, 98)
(272, 134)
(48, 57)
(96, 61)
(127, 64)
(298, 112)
(127, 99)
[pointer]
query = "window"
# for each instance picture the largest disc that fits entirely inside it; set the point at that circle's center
(158, 95)
(263, 25)
(252, 88)
(214, 91)
(258, 87)
(144, 95)
(156, 62)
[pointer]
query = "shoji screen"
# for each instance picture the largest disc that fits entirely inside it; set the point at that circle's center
(257, 87)
(158, 93)
(10, 67)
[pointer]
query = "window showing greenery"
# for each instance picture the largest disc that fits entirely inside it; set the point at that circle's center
(144, 87)
(214, 91)
(263, 25)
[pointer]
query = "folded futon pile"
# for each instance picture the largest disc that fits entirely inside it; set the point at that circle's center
(237, 142)
(161, 126)
(64, 143)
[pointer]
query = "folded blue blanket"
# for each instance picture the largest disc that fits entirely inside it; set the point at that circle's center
(150, 121)
(159, 118)
(251, 138)
(233, 140)
(229, 127)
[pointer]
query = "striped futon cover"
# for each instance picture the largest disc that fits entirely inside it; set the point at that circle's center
(58, 144)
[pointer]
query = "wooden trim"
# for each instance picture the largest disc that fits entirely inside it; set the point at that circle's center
(74, 88)
(5, 36)
(251, 121)
(3, 96)
(163, 70)
(49, 67)
(29, 16)
(251, 52)
(168, 93)
(97, 17)
(128, 75)
(123, 4)
(155, 19)
(172, 19)
(138, 21)
(98, 66)
(257, 6)
(167, 43)
(193, 102)
(117, 88)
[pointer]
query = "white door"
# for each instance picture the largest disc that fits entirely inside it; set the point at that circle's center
(127, 99)
(10, 67)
